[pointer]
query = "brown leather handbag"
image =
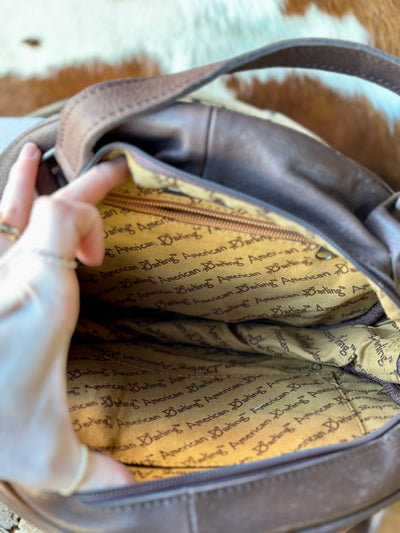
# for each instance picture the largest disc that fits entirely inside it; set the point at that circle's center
(239, 347)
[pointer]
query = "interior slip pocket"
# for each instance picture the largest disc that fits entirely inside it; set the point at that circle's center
(216, 333)
(165, 410)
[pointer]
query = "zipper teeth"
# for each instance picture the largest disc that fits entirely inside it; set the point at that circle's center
(203, 216)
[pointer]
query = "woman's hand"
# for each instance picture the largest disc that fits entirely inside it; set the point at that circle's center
(39, 305)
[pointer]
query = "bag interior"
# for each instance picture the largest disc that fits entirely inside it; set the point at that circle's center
(216, 333)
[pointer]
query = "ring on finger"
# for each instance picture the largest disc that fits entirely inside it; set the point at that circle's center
(10, 232)
(54, 259)
(81, 473)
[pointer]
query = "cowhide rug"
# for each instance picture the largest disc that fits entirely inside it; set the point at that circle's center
(50, 49)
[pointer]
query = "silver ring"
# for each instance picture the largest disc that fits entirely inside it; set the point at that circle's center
(55, 260)
(80, 475)
(10, 232)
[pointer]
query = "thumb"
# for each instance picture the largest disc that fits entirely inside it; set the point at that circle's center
(104, 472)
(96, 471)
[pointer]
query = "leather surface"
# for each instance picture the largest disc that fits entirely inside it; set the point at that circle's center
(302, 494)
(340, 194)
(103, 106)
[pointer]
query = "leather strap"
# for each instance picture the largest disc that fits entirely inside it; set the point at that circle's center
(104, 106)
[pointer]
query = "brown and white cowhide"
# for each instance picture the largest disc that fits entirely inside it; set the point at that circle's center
(50, 49)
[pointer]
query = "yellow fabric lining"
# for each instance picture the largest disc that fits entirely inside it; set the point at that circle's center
(165, 410)
(210, 359)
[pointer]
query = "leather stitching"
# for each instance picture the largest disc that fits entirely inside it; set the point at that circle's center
(230, 65)
(135, 105)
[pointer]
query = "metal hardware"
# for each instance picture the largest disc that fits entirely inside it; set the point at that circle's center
(323, 254)
(48, 155)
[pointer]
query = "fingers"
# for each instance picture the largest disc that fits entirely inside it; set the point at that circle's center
(66, 229)
(104, 472)
(16, 203)
(93, 471)
(96, 183)
(64, 223)
(67, 224)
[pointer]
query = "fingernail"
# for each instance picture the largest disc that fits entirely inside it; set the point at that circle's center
(29, 151)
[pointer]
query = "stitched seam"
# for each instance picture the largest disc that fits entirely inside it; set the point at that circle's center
(304, 51)
(349, 404)
(192, 514)
(165, 502)
(363, 75)
(136, 105)
(230, 65)
(80, 98)
(375, 56)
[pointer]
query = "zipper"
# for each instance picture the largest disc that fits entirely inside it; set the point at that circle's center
(252, 469)
(202, 216)
(169, 170)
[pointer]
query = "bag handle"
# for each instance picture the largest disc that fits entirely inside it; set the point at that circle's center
(103, 106)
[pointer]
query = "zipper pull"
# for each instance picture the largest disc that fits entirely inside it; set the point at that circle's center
(323, 254)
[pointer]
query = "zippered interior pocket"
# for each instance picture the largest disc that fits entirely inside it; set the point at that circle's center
(203, 216)
(171, 252)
